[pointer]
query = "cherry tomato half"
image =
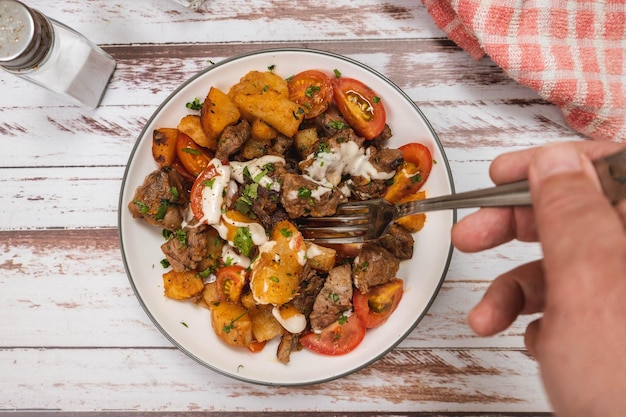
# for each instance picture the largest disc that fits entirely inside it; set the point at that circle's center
(312, 90)
(339, 338)
(197, 189)
(230, 281)
(192, 156)
(412, 174)
(360, 106)
(375, 307)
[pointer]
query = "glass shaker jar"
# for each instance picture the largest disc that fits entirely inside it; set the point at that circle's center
(52, 55)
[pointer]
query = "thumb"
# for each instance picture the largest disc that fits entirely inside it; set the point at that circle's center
(576, 224)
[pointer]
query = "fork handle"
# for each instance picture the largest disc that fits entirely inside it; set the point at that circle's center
(511, 194)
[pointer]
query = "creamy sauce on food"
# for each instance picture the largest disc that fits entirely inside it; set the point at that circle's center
(349, 158)
(256, 169)
(213, 195)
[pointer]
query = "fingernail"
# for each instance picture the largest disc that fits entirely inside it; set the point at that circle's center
(557, 159)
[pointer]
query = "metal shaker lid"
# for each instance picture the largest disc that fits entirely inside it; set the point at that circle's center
(25, 36)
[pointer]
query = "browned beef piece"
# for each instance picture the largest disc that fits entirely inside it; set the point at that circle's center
(334, 298)
(367, 190)
(280, 145)
(184, 250)
(386, 159)
(299, 197)
(374, 265)
(232, 139)
(342, 136)
(310, 287)
(161, 199)
(288, 343)
(330, 122)
(381, 140)
(398, 241)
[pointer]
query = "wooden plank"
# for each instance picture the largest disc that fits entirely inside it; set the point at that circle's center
(60, 277)
(477, 380)
(164, 21)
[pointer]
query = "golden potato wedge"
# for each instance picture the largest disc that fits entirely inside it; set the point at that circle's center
(261, 131)
(319, 257)
(218, 111)
(210, 295)
(182, 285)
(277, 111)
(257, 82)
(276, 272)
(306, 141)
(164, 145)
(232, 323)
(264, 324)
(191, 126)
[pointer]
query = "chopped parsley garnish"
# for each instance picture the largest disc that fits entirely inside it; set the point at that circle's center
(274, 278)
(194, 105)
(337, 73)
(209, 183)
(376, 99)
(311, 90)
(243, 240)
(304, 192)
(143, 207)
(162, 210)
(191, 151)
(286, 232)
(337, 125)
(165, 263)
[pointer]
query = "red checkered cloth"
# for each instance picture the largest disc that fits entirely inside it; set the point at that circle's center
(572, 52)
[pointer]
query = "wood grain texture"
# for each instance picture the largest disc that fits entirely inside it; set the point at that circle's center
(75, 341)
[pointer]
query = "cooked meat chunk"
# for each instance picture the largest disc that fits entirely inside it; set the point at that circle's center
(381, 140)
(232, 140)
(330, 122)
(366, 190)
(184, 250)
(343, 136)
(280, 145)
(386, 159)
(288, 343)
(303, 197)
(374, 265)
(334, 298)
(161, 199)
(310, 287)
(398, 241)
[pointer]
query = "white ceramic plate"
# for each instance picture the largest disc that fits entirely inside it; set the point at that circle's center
(189, 328)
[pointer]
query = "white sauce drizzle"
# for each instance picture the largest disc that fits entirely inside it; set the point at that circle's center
(296, 323)
(349, 158)
(213, 195)
(231, 257)
(255, 168)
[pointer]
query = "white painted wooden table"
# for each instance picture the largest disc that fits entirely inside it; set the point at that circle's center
(73, 337)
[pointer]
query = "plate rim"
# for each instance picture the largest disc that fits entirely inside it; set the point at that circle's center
(122, 206)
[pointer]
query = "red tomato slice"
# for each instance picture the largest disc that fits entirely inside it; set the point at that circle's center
(230, 282)
(360, 106)
(375, 307)
(192, 156)
(339, 338)
(412, 174)
(195, 197)
(312, 90)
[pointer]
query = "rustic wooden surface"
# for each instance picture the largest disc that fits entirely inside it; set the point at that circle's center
(74, 339)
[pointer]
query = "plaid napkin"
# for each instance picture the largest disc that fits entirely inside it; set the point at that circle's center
(572, 52)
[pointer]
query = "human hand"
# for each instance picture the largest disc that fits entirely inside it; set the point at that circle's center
(580, 285)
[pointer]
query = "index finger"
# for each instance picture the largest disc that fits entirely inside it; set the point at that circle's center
(513, 166)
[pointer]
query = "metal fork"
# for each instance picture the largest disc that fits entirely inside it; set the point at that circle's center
(363, 221)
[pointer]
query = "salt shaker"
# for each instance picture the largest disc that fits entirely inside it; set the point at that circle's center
(52, 55)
